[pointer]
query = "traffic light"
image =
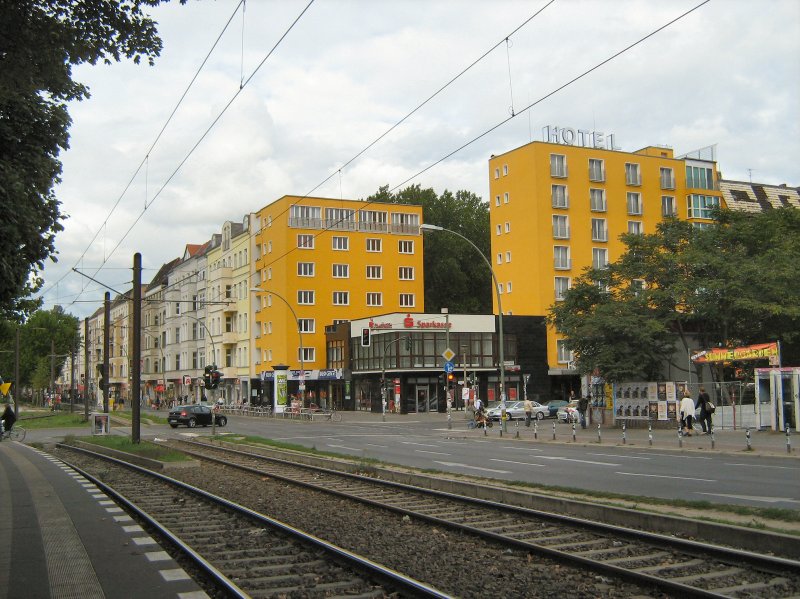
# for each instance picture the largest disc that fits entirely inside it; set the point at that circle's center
(100, 380)
(450, 377)
(207, 376)
(364, 337)
(216, 375)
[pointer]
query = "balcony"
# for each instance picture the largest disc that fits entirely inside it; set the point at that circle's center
(230, 338)
(224, 272)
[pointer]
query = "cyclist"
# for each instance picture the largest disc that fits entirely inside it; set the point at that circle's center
(7, 420)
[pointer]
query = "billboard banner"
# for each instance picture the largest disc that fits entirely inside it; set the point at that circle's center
(748, 352)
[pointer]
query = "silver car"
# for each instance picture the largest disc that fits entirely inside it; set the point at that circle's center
(515, 410)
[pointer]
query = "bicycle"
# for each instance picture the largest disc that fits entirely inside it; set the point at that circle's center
(17, 433)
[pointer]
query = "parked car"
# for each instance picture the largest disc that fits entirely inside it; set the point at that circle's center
(554, 406)
(194, 415)
(569, 412)
(515, 410)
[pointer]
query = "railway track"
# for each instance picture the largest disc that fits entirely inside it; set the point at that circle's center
(246, 554)
(677, 566)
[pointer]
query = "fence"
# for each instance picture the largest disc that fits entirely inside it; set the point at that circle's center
(735, 403)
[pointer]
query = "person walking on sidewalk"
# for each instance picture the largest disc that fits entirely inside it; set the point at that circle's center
(528, 407)
(706, 409)
(687, 414)
(583, 405)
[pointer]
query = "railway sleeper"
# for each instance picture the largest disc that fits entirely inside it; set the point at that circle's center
(690, 578)
(673, 566)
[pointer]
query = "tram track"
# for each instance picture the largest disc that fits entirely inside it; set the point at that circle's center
(245, 553)
(676, 566)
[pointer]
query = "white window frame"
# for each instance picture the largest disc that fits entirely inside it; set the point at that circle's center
(305, 269)
(560, 232)
(595, 176)
(563, 355)
(594, 194)
(561, 257)
(341, 298)
(307, 325)
(599, 258)
(340, 271)
(668, 206)
(305, 297)
(633, 174)
(407, 300)
(374, 271)
(340, 243)
(558, 165)
(634, 203)
(405, 273)
(374, 298)
(667, 178)
(505, 170)
(559, 195)
(374, 244)
(505, 198)
(599, 229)
(508, 227)
(405, 246)
(306, 354)
(635, 227)
(304, 242)
(561, 285)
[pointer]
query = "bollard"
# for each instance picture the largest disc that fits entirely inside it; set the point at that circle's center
(573, 432)
(680, 437)
(554, 431)
(535, 430)
(599, 438)
(711, 432)
(516, 432)
(623, 433)
(650, 434)
(749, 448)
(788, 441)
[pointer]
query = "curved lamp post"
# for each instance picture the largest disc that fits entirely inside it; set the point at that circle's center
(427, 228)
(299, 333)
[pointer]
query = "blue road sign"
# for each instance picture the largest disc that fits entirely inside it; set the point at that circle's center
(448, 367)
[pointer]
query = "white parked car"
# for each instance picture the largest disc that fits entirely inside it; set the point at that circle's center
(515, 410)
(569, 412)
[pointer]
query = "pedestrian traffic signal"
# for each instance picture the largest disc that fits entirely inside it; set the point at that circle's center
(207, 376)
(364, 337)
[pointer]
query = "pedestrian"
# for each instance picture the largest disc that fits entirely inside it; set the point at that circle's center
(8, 418)
(687, 414)
(583, 405)
(528, 407)
(706, 409)
(478, 405)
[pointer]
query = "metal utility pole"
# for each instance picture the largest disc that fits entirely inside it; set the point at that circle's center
(136, 366)
(17, 386)
(106, 346)
(52, 372)
(86, 368)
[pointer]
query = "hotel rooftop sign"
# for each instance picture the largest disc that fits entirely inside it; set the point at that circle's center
(579, 137)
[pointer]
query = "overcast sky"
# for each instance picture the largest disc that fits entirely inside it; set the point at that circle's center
(726, 74)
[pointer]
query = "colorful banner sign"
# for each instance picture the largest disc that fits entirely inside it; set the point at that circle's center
(748, 352)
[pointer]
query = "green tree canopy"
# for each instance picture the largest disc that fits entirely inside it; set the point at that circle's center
(40, 41)
(735, 282)
(455, 277)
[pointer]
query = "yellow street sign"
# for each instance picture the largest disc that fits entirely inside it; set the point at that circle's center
(4, 388)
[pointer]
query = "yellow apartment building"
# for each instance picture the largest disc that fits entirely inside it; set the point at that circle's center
(321, 261)
(559, 206)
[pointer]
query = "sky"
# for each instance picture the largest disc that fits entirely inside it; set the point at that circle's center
(267, 117)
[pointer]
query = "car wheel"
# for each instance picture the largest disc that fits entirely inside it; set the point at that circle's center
(222, 421)
(174, 425)
(192, 423)
(540, 416)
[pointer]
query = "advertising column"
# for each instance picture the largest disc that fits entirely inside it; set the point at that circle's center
(281, 375)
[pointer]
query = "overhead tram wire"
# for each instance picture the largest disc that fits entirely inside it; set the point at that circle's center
(207, 131)
(506, 120)
(150, 150)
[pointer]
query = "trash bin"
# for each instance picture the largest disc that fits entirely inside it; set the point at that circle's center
(99, 423)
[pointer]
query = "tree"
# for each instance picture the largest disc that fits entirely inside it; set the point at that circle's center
(40, 41)
(455, 277)
(736, 282)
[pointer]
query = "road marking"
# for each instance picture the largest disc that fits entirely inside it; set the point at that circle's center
(345, 447)
(763, 466)
(433, 452)
(673, 456)
(553, 457)
(754, 498)
(520, 448)
(459, 465)
(381, 446)
(611, 455)
(521, 463)
(705, 480)
(420, 444)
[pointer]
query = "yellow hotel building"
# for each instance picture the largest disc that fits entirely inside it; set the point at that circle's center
(558, 207)
(326, 261)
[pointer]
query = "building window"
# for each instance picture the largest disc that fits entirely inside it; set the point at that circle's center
(499, 230)
(668, 206)
(269, 245)
(562, 284)
(406, 273)
(508, 287)
(374, 299)
(500, 288)
(560, 226)
(406, 300)
(305, 298)
(341, 243)
(497, 173)
(374, 245)
(341, 298)
(340, 218)
(305, 269)
(635, 227)
(505, 198)
(632, 174)
(559, 196)
(500, 257)
(307, 325)
(405, 247)
(638, 285)
(306, 354)
(374, 272)
(599, 258)
(597, 200)
(303, 241)
(341, 271)
(700, 206)
(497, 200)
(597, 170)
(599, 230)
(667, 178)
(505, 170)
(561, 259)
(508, 256)
(634, 203)
(699, 177)
(558, 165)
(508, 227)
(564, 353)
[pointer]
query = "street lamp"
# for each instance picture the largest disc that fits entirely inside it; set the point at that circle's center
(426, 228)
(302, 383)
